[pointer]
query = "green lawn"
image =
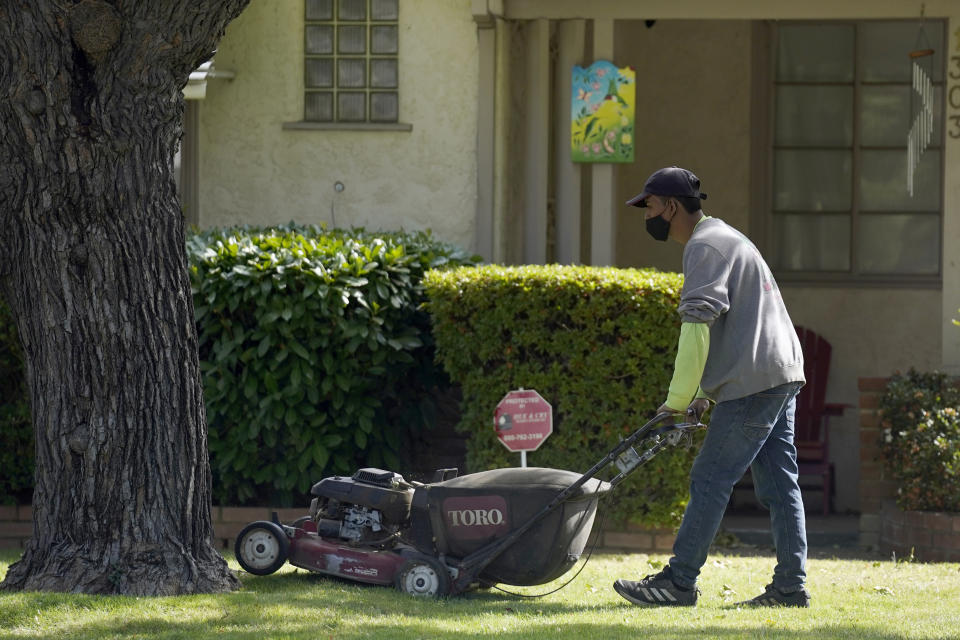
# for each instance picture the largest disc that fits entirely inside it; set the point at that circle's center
(858, 597)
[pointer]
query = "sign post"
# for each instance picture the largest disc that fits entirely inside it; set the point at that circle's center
(523, 420)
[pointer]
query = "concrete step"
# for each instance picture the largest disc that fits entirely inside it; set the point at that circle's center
(822, 531)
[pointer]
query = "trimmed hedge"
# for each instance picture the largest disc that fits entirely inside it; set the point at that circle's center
(16, 431)
(597, 343)
(316, 357)
(920, 442)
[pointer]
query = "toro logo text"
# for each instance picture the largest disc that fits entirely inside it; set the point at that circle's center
(476, 516)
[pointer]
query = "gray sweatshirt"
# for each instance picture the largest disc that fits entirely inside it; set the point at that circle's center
(728, 286)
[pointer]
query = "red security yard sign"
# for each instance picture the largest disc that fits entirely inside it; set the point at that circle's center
(523, 420)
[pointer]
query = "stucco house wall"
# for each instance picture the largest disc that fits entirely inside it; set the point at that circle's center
(255, 171)
(693, 110)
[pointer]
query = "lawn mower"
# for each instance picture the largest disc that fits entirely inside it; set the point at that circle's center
(518, 526)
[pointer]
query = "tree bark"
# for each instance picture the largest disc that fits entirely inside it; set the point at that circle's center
(93, 266)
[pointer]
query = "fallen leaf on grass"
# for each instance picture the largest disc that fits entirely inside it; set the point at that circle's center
(726, 591)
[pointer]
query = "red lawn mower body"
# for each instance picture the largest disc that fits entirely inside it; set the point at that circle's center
(517, 526)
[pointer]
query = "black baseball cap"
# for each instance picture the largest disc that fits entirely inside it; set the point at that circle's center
(669, 181)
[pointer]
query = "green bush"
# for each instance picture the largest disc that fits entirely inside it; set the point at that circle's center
(315, 354)
(920, 441)
(597, 343)
(16, 430)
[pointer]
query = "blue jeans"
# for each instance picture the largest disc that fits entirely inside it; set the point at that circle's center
(756, 432)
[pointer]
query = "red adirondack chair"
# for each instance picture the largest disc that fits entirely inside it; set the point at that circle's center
(812, 435)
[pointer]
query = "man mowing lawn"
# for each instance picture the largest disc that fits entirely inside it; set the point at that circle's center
(737, 347)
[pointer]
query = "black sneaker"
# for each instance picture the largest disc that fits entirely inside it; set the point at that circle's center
(657, 591)
(773, 597)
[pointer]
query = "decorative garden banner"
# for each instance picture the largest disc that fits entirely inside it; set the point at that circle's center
(602, 115)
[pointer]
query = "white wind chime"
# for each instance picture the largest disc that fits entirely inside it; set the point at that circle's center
(921, 106)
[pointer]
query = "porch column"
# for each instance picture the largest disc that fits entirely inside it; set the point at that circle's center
(603, 207)
(570, 45)
(486, 14)
(950, 293)
(537, 142)
(487, 43)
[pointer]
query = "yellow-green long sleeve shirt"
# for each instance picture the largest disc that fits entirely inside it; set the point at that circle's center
(692, 350)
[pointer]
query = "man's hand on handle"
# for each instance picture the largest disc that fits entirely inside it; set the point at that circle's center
(697, 408)
(694, 411)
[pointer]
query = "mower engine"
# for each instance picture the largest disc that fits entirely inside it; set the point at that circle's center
(370, 508)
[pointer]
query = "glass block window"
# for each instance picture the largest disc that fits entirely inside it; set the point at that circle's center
(842, 111)
(350, 71)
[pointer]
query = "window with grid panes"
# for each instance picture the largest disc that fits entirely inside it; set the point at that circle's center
(351, 61)
(842, 111)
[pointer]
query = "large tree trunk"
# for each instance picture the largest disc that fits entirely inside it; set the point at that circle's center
(92, 264)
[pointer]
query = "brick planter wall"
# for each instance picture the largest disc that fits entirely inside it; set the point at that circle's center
(228, 521)
(928, 536)
(16, 523)
(16, 527)
(636, 539)
(875, 487)
(933, 537)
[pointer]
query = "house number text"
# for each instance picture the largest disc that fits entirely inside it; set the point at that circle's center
(953, 96)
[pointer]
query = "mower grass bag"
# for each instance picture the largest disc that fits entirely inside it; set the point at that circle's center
(461, 516)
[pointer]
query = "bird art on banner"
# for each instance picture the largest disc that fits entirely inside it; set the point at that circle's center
(602, 113)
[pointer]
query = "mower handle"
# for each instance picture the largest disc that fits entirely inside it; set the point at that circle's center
(628, 459)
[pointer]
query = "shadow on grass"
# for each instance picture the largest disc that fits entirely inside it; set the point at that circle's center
(306, 606)
(436, 624)
(300, 605)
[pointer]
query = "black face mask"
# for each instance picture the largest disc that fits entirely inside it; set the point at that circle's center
(658, 228)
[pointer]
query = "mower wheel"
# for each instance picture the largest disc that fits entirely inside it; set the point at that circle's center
(423, 576)
(262, 547)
